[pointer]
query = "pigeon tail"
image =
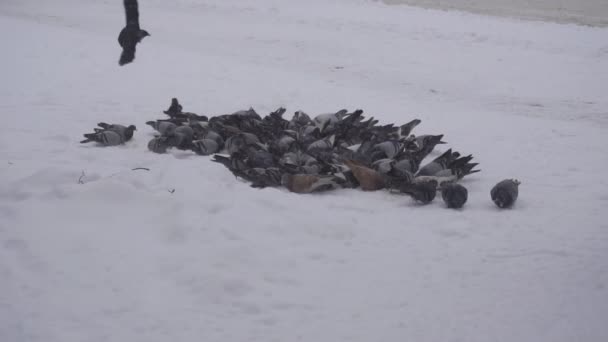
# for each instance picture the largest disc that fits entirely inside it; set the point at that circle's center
(127, 55)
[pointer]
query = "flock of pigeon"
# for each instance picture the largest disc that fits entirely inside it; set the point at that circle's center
(308, 155)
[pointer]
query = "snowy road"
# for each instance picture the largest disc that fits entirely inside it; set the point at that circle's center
(120, 258)
(582, 12)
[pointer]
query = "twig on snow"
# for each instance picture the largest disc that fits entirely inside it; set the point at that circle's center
(80, 181)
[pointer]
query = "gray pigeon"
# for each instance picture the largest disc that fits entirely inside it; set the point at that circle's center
(390, 148)
(422, 191)
(239, 141)
(177, 140)
(209, 134)
(125, 132)
(324, 144)
(162, 126)
(299, 119)
(328, 120)
(406, 165)
(384, 166)
(158, 145)
(186, 131)
(300, 162)
(504, 194)
(438, 164)
(282, 145)
(106, 138)
(205, 147)
(454, 195)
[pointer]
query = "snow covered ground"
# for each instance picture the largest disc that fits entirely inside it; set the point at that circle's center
(121, 258)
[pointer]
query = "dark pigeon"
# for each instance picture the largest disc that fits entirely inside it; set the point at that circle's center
(454, 195)
(504, 194)
(131, 34)
(421, 191)
(174, 109)
(409, 127)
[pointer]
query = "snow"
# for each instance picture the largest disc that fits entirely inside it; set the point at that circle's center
(584, 12)
(123, 258)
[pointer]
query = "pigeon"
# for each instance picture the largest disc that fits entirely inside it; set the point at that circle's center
(327, 121)
(174, 109)
(369, 180)
(300, 162)
(457, 171)
(261, 177)
(178, 140)
(110, 134)
(239, 141)
(162, 126)
(235, 163)
(299, 119)
(504, 194)
(187, 131)
(125, 132)
(106, 138)
(211, 135)
(408, 127)
(158, 145)
(454, 195)
(322, 144)
(282, 145)
(304, 184)
(258, 157)
(438, 164)
(131, 34)
(384, 166)
(421, 191)
(205, 147)
(387, 149)
(422, 145)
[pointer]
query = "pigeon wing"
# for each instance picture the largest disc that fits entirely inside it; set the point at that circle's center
(132, 12)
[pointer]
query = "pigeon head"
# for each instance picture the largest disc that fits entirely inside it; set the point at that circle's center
(142, 33)
(132, 128)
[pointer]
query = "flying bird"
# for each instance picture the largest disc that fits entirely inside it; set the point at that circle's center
(131, 34)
